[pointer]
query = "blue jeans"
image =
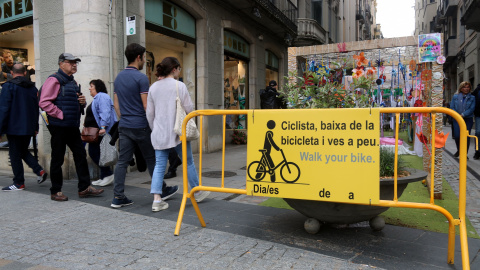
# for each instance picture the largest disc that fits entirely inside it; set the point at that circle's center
(94, 153)
(456, 131)
(161, 163)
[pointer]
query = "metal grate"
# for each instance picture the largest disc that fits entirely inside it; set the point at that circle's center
(218, 174)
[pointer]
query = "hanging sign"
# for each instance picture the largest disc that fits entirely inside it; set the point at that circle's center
(429, 47)
(316, 154)
(130, 25)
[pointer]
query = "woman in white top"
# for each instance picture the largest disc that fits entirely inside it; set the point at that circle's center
(161, 112)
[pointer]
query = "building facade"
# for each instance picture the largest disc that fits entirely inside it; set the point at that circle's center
(453, 18)
(228, 49)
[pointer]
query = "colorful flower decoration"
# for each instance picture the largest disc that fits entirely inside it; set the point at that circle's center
(440, 139)
(413, 65)
(379, 62)
(418, 103)
(361, 60)
(441, 59)
(371, 71)
(322, 69)
(357, 72)
(426, 75)
(424, 140)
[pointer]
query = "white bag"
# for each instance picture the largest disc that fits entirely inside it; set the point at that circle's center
(192, 130)
(108, 152)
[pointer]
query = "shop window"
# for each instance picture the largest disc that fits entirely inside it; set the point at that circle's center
(160, 46)
(235, 90)
(271, 68)
(16, 46)
(170, 31)
(237, 52)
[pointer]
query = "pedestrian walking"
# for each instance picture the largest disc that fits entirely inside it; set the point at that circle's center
(63, 102)
(19, 120)
(130, 101)
(476, 94)
(463, 102)
(174, 161)
(161, 112)
(100, 114)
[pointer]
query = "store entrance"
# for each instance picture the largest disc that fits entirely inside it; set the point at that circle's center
(235, 90)
(16, 46)
(159, 46)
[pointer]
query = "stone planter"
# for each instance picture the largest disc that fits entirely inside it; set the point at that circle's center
(343, 213)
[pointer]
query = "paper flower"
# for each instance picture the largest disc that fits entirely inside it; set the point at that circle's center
(357, 72)
(440, 139)
(426, 75)
(361, 60)
(371, 71)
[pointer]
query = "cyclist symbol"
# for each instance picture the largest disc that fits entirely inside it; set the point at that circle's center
(289, 171)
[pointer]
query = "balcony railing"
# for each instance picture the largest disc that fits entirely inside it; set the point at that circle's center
(450, 7)
(284, 10)
(309, 29)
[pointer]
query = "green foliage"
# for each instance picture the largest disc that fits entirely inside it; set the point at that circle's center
(239, 137)
(387, 163)
(317, 93)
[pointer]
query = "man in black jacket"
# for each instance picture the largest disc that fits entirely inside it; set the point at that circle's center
(19, 120)
(476, 94)
(268, 97)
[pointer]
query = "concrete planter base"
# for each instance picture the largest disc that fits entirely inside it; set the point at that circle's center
(343, 213)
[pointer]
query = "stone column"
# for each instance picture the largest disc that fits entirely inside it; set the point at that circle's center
(78, 27)
(49, 42)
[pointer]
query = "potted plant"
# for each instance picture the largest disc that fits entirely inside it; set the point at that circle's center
(239, 137)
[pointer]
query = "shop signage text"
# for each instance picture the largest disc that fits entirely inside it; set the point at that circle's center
(12, 10)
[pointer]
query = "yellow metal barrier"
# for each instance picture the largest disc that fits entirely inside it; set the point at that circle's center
(460, 221)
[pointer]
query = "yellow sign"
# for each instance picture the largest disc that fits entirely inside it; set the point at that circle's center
(316, 154)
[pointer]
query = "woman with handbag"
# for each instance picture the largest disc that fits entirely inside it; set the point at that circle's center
(161, 116)
(100, 115)
(463, 102)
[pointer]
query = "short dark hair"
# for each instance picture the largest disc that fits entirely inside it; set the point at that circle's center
(99, 86)
(18, 68)
(133, 50)
(166, 66)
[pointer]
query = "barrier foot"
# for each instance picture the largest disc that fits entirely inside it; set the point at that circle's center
(197, 210)
(451, 242)
(180, 215)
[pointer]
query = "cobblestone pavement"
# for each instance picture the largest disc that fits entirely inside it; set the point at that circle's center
(450, 173)
(38, 233)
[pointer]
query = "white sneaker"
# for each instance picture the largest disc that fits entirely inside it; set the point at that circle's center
(96, 183)
(201, 195)
(159, 206)
(106, 181)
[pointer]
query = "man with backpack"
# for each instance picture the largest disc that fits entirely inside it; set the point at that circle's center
(19, 120)
(61, 99)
